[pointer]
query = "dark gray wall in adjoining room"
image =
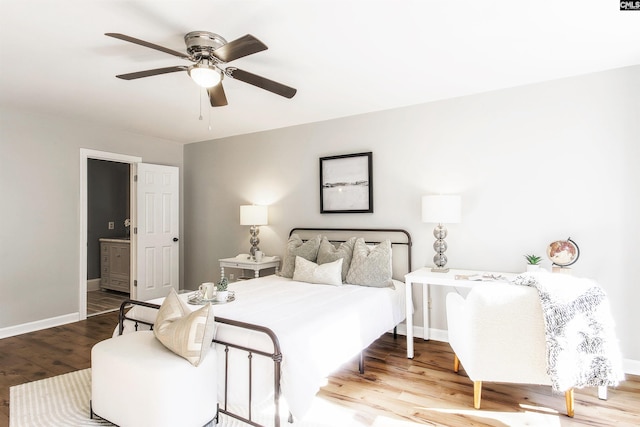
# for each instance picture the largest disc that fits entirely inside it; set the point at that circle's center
(108, 190)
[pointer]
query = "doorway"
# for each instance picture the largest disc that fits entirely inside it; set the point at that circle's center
(85, 156)
(108, 235)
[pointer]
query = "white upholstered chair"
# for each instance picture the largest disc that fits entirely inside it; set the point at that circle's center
(497, 333)
(137, 382)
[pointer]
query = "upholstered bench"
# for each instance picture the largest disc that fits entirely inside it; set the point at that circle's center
(164, 377)
(137, 382)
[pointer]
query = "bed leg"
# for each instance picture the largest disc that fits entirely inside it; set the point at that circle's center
(290, 419)
(361, 363)
(90, 409)
(395, 332)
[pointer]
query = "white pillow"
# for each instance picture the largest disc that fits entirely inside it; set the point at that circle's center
(325, 274)
(188, 334)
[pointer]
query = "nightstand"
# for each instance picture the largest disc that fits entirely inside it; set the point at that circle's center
(249, 264)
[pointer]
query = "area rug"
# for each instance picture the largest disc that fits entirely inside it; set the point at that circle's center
(57, 401)
(64, 401)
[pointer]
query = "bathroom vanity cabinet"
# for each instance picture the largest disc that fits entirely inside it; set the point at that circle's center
(115, 264)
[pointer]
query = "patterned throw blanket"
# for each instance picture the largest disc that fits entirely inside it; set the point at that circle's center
(582, 349)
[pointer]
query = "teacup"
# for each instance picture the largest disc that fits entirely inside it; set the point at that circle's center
(258, 256)
(207, 290)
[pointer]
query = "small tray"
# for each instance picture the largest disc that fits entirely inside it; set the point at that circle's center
(196, 299)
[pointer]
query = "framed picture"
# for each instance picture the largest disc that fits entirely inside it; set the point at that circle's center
(345, 184)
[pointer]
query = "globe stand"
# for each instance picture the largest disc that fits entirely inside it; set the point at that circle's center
(561, 270)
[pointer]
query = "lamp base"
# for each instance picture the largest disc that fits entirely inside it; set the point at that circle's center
(254, 230)
(440, 270)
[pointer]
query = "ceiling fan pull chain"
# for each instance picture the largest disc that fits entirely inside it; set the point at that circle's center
(209, 109)
(200, 92)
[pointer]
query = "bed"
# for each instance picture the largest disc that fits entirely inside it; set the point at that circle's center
(281, 337)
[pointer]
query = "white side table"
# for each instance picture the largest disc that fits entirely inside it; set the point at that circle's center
(249, 264)
(426, 277)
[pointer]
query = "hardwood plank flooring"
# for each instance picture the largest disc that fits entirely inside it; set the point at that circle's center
(49, 352)
(100, 301)
(393, 391)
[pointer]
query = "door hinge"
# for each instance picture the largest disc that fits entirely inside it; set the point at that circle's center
(135, 230)
(135, 178)
(135, 283)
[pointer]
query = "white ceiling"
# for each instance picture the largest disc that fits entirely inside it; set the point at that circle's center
(345, 57)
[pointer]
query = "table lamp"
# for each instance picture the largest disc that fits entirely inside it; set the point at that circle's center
(440, 209)
(254, 216)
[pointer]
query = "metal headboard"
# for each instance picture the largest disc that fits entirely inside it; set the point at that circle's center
(400, 242)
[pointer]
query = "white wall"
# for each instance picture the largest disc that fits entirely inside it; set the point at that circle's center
(40, 194)
(533, 164)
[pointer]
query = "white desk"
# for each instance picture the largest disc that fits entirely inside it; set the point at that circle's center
(426, 277)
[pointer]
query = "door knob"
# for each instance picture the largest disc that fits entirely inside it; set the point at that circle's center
(175, 239)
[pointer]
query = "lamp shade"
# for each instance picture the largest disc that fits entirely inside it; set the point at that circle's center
(441, 209)
(205, 76)
(253, 215)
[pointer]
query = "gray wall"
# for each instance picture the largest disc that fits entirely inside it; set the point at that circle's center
(39, 175)
(533, 164)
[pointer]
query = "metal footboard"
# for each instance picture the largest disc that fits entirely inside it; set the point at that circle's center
(275, 356)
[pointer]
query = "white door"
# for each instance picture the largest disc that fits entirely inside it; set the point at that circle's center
(156, 238)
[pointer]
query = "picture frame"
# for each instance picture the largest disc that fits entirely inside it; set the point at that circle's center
(346, 184)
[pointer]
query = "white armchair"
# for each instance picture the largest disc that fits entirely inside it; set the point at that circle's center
(497, 333)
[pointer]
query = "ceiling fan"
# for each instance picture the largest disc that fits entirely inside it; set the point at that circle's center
(209, 52)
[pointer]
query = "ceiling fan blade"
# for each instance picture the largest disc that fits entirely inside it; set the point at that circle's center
(149, 45)
(245, 45)
(149, 73)
(217, 96)
(261, 82)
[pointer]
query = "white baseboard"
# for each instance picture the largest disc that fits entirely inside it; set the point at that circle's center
(629, 366)
(38, 325)
(93, 285)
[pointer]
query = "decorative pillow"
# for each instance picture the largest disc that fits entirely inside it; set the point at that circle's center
(296, 247)
(371, 266)
(329, 253)
(188, 334)
(325, 274)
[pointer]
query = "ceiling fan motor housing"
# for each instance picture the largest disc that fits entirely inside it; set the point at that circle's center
(201, 44)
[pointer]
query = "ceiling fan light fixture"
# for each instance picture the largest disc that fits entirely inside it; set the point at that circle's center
(205, 75)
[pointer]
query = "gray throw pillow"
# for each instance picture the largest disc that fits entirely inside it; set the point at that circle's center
(296, 247)
(371, 266)
(329, 253)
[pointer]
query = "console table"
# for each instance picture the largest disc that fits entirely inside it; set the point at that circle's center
(426, 277)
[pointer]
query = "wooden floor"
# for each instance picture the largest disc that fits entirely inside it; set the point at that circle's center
(102, 301)
(394, 391)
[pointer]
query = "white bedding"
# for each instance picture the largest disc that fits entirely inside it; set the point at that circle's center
(319, 327)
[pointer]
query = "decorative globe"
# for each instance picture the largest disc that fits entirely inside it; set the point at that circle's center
(563, 253)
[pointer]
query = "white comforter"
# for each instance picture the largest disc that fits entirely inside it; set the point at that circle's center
(319, 327)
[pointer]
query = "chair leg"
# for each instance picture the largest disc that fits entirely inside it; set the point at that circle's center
(568, 396)
(456, 363)
(477, 392)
